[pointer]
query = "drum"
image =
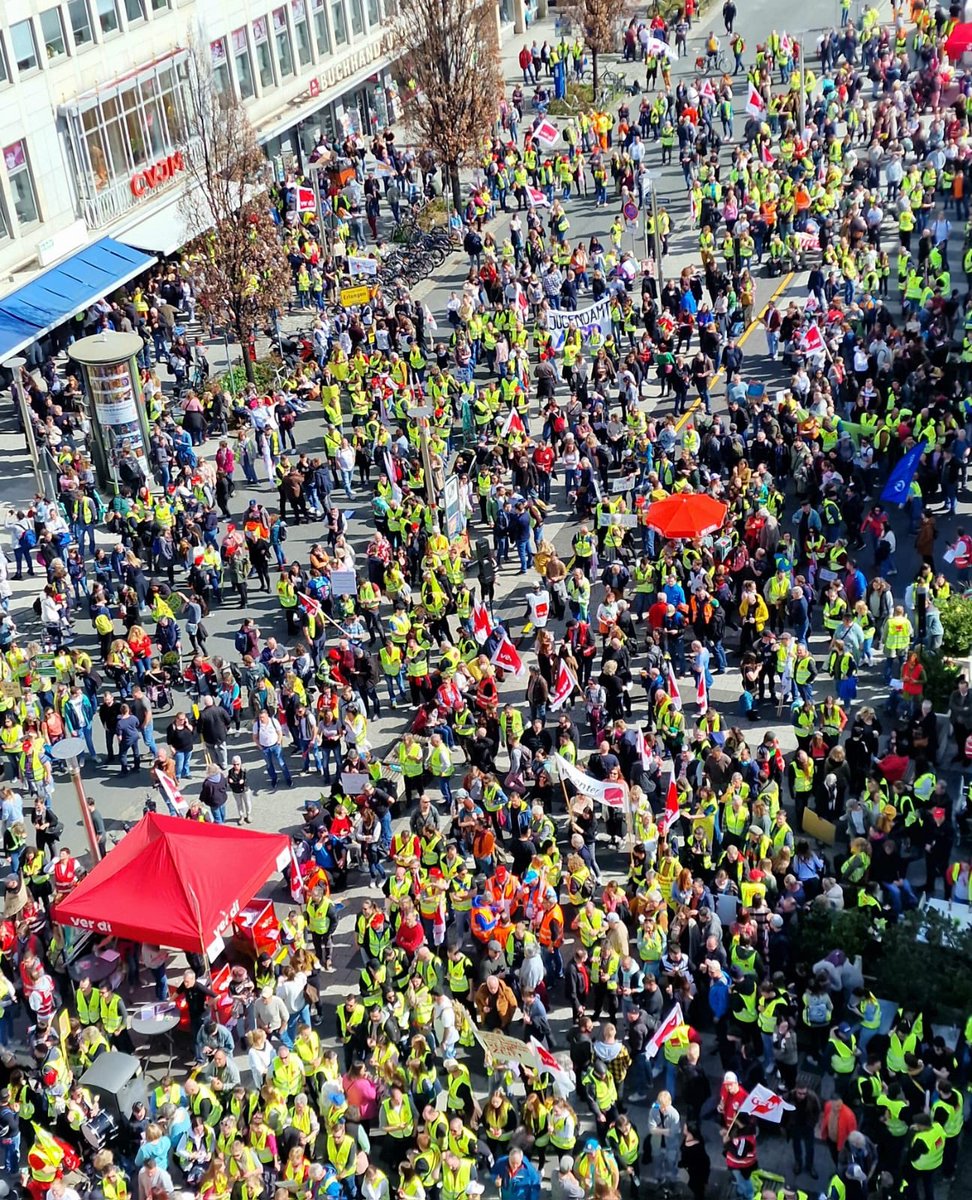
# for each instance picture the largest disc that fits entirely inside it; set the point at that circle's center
(99, 1130)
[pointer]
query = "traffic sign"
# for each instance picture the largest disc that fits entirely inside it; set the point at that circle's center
(630, 211)
(355, 295)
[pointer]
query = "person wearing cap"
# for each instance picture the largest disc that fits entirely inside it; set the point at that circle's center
(596, 1167)
(937, 840)
(570, 1187)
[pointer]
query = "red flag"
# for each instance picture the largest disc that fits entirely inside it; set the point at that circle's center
(665, 1031)
(296, 880)
(642, 747)
(707, 91)
(702, 696)
(672, 809)
(482, 625)
(306, 200)
(812, 342)
(766, 154)
(546, 132)
(564, 1076)
(563, 688)
(505, 655)
(512, 424)
(309, 604)
(537, 198)
(755, 104)
(673, 688)
(171, 792)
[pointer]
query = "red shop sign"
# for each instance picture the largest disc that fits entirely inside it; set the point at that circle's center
(161, 172)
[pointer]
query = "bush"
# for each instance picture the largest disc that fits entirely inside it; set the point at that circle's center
(264, 371)
(956, 613)
(821, 931)
(579, 95)
(941, 676)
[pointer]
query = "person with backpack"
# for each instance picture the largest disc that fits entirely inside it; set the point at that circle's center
(23, 539)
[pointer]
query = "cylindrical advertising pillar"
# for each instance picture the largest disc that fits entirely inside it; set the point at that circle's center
(120, 434)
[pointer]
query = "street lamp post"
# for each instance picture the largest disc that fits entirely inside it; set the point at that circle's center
(13, 365)
(68, 751)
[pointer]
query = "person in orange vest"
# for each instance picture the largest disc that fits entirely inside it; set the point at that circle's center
(501, 889)
(550, 935)
(482, 920)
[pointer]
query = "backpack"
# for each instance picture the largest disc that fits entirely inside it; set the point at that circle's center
(241, 641)
(28, 539)
(818, 1010)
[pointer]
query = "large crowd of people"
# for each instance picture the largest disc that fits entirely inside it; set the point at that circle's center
(582, 944)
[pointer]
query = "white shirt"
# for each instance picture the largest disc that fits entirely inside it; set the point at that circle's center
(267, 733)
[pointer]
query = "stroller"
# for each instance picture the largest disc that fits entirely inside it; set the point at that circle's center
(158, 686)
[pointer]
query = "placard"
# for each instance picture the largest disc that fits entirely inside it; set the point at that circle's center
(344, 583)
(622, 485)
(817, 827)
(354, 295)
(362, 266)
(354, 781)
(624, 520)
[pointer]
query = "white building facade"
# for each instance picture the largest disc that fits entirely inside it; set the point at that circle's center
(92, 100)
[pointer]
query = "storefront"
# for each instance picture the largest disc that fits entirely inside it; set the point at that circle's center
(123, 139)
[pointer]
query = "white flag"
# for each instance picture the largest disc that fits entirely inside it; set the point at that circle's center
(755, 105)
(612, 792)
(665, 1031)
(563, 689)
(763, 1103)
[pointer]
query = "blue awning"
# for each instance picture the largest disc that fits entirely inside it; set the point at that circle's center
(65, 290)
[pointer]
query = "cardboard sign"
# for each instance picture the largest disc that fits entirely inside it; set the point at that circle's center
(344, 583)
(502, 1048)
(817, 827)
(625, 520)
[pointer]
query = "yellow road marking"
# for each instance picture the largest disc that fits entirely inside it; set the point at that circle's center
(783, 285)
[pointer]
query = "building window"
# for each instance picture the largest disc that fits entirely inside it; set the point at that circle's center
(107, 16)
(220, 66)
(134, 11)
(285, 53)
(261, 42)
(4, 73)
(243, 64)
(374, 16)
(339, 23)
(52, 31)
(4, 221)
(357, 18)
(80, 20)
(24, 46)
(305, 54)
(321, 31)
(161, 5)
(21, 184)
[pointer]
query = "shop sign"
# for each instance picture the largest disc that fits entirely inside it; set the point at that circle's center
(161, 172)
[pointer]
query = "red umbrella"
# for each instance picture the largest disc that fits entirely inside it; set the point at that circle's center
(958, 41)
(687, 515)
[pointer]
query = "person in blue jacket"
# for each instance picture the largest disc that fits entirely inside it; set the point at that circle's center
(516, 1178)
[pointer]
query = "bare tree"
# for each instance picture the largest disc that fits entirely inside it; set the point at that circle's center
(451, 55)
(240, 272)
(600, 22)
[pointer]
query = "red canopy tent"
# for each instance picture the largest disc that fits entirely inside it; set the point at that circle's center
(174, 883)
(958, 42)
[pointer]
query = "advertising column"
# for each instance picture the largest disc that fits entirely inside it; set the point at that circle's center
(119, 425)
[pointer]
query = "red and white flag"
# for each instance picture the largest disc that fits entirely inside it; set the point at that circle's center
(562, 1076)
(171, 793)
(707, 91)
(506, 656)
(665, 1031)
(642, 747)
(672, 808)
(546, 132)
(512, 424)
(702, 696)
(306, 200)
(763, 1103)
(309, 604)
(673, 691)
(766, 154)
(482, 625)
(537, 197)
(563, 689)
(755, 104)
(812, 341)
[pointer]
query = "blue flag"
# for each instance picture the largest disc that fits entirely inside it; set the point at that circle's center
(896, 489)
